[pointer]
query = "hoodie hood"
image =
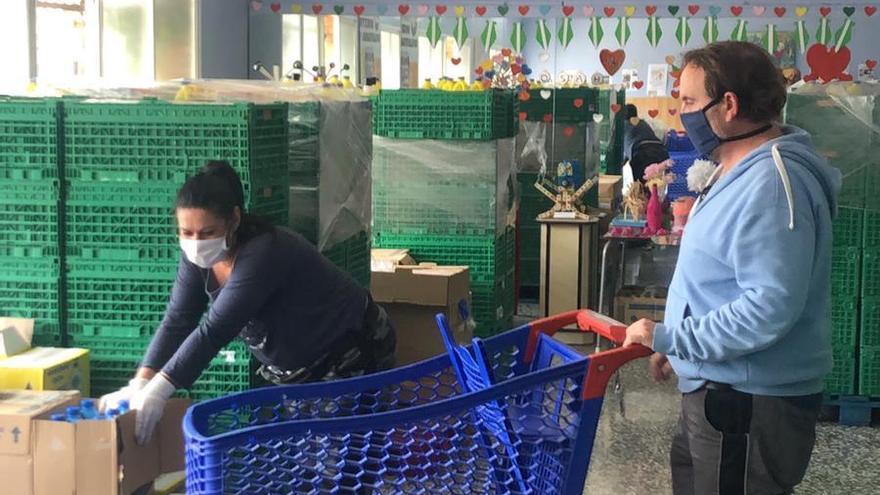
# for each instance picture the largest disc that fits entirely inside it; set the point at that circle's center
(793, 146)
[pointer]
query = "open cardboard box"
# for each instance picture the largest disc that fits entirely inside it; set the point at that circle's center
(413, 295)
(87, 457)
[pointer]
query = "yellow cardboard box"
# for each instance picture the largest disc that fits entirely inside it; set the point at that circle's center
(47, 368)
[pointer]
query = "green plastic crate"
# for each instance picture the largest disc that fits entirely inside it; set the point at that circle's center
(872, 179)
(870, 277)
(564, 105)
(161, 141)
(841, 379)
(869, 371)
(31, 288)
(353, 257)
(435, 114)
(230, 372)
(29, 216)
(29, 138)
(845, 268)
(869, 335)
(848, 227)
(871, 229)
(844, 320)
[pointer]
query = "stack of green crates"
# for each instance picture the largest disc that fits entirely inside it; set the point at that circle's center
(330, 148)
(843, 128)
(124, 164)
(30, 223)
(453, 203)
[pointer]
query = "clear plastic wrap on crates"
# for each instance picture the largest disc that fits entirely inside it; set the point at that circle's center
(443, 187)
(844, 122)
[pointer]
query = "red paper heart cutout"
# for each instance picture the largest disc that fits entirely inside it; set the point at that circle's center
(779, 11)
(317, 8)
(548, 118)
(403, 9)
(578, 102)
(506, 52)
(612, 61)
(675, 93)
(455, 61)
(654, 113)
(736, 10)
(359, 9)
(567, 10)
(825, 11)
(480, 10)
(523, 95)
(523, 116)
(609, 11)
(479, 70)
(515, 69)
(523, 9)
(441, 9)
(615, 107)
(638, 84)
(826, 64)
(651, 9)
(568, 131)
(276, 7)
(693, 9)
(870, 10)
(871, 64)
(672, 111)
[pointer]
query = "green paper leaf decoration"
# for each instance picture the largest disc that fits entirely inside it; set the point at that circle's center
(542, 34)
(433, 32)
(802, 36)
(518, 37)
(654, 33)
(565, 33)
(844, 34)
(710, 30)
(460, 34)
(622, 33)
(596, 33)
(683, 31)
(740, 31)
(770, 38)
(490, 34)
(824, 33)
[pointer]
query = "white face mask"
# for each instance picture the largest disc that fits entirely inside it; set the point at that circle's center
(204, 253)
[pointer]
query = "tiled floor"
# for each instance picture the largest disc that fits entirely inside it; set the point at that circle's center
(631, 450)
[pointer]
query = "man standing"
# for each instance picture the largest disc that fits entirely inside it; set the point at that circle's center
(747, 324)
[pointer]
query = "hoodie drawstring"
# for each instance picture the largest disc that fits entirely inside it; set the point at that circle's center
(786, 183)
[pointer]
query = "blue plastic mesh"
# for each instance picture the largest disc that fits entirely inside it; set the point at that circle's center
(409, 430)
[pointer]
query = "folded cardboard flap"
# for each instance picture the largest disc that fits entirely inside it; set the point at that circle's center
(424, 284)
(18, 408)
(385, 260)
(15, 335)
(170, 431)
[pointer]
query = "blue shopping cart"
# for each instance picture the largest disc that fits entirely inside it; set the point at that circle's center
(514, 413)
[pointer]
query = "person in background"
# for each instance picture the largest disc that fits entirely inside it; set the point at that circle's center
(302, 317)
(641, 147)
(747, 321)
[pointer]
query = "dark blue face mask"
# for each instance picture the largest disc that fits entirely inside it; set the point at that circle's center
(701, 134)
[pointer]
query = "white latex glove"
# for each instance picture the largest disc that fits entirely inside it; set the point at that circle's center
(111, 400)
(149, 403)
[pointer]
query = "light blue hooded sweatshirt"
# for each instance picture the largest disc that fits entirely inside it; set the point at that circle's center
(750, 302)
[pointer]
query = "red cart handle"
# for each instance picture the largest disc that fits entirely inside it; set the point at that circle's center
(602, 364)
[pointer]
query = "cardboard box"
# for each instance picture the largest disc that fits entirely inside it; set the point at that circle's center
(412, 296)
(47, 368)
(610, 191)
(385, 260)
(18, 409)
(15, 336)
(95, 457)
(634, 303)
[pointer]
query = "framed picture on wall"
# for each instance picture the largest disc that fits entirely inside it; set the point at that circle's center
(629, 77)
(657, 79)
